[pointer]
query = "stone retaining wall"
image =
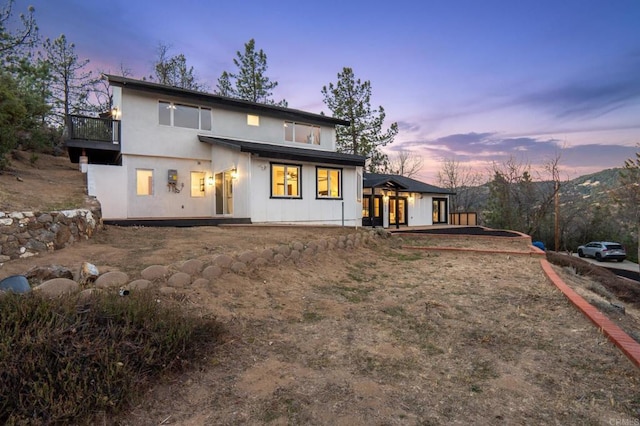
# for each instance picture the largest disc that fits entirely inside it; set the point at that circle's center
(25, 234)
(168, 279)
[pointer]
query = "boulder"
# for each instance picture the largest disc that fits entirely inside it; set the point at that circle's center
(192, 267)
(140, 284)
(88, 273)
(45, 273)
(179, 280)
(212, 272)
(155, 272)
(112, 279)
(57, 287)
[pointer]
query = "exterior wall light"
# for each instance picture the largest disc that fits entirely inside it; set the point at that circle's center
(234, 174)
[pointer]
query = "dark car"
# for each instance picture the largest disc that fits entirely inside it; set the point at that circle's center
(603, 250)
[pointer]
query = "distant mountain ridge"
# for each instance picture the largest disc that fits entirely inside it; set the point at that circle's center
(593, 189)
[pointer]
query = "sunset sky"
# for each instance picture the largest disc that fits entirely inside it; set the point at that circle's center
(474, 81)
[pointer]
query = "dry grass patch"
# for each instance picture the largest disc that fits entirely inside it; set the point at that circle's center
(378, 335)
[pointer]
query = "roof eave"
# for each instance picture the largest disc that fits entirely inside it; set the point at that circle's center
(230, 103)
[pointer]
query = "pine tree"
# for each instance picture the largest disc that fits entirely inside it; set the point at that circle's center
(71, 83)
(251, 81)
(173, 71)
(350, 99)
(628, 194)
(13, 43)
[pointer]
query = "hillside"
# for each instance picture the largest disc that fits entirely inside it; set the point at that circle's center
(592, 189)
(40, 182)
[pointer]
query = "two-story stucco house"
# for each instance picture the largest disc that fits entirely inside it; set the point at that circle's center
(172, 156)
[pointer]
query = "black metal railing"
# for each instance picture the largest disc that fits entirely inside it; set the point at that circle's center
(93, 129)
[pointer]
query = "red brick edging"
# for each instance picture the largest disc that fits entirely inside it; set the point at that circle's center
(532, 250)
(622, 340)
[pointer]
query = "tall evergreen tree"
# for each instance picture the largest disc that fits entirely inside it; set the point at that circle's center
(350, 99)
(23, 83)
(14, 43)
(628, 194)
(251, 81)
(174, 71)
(71, 83)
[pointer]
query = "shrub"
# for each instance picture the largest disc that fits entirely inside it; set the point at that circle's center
(65, 360)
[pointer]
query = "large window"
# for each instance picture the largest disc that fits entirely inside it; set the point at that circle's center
(178, 115)
(301, 133)
(197, 184)
(144, 182)
(366, 206)
(329, 183)
(439, 210)
(285, 181)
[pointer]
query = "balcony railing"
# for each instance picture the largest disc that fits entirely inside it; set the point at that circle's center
(93, 129)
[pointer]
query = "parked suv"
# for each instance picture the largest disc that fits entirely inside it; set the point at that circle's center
(603, 250)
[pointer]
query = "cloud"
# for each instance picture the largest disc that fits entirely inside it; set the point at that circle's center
(589, 96)
(484, 145)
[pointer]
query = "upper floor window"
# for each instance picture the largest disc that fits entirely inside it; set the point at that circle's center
(329, 183)
(253, 120)
(188, 116)
(285, 181)
(301, 133)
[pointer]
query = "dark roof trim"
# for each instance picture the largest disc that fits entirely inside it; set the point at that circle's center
(279, 152)
(377, 180)
(385, 182)
(225, 102)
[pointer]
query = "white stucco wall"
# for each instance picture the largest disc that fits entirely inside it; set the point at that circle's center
(109, 185)
(307, 209)
(165, 201)
(420, 210)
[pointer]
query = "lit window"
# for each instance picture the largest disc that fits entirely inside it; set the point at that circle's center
(301, 133)
(253, 120)
(197, 184)
(285, 181)
(329, 183)
(144, 182)
(365, 207)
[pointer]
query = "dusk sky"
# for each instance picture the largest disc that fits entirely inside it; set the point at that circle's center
(474, 81)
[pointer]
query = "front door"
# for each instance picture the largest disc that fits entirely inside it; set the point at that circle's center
(440, 212)
(224, 193)
(372, 210)
(402, 211)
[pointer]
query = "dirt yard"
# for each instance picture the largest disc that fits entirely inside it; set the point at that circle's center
(376, 335)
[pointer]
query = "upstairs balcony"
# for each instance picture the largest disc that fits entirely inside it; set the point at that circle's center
(96, 138)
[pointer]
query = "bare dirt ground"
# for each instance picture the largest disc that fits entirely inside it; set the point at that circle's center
(376, 335)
